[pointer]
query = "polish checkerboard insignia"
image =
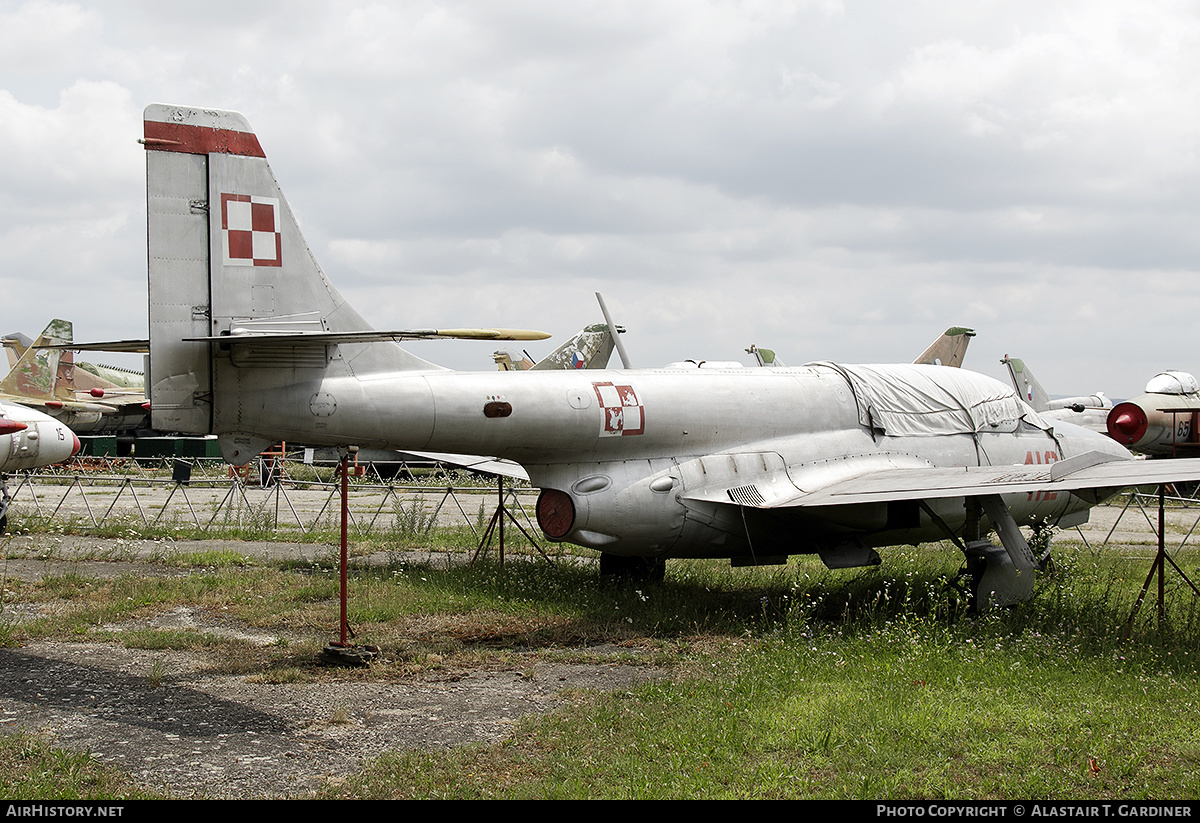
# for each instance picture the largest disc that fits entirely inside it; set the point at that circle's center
(250, 230)
(623, 412)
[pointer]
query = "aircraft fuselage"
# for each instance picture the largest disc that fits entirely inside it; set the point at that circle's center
(624, 445)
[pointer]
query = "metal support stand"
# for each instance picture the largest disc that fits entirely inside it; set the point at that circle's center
(1159, 566)
(5, 500)
(496, 526)
(343, 652)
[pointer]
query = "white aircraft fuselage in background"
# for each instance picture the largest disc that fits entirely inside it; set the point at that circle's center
(30, 439)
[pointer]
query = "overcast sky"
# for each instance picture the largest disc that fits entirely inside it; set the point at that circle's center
(834, 180)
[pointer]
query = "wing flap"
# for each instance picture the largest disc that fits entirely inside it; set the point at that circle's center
(764, 479)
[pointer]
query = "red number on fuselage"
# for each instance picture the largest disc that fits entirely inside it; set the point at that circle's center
(1041, 458)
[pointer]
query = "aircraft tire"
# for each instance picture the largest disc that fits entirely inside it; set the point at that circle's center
(638, 569)
(974, 571)
(1039, 542)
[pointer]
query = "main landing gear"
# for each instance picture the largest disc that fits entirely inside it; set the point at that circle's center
(995, 576)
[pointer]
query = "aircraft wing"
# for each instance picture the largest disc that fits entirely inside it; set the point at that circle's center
(130, 346)
(292, 339)
(52, 406)
(774, 488)
(330, 338)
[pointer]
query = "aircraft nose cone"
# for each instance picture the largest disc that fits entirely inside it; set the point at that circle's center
(75, 444)
(1127, 423)
(1122, 424)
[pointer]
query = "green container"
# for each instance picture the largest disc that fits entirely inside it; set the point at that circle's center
(151, 447)
(98, 446)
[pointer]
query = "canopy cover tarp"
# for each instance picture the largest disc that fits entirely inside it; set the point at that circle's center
(923, 401)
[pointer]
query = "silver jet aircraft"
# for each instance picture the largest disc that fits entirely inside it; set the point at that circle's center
(45, 377)
(1162, 421)
(249, 340)
(29, 439)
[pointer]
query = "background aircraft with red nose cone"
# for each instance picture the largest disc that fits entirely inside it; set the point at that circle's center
(1161, 422)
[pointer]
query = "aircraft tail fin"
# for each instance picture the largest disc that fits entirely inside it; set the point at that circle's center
(589, 349)
(765, 357)
(15, 345)
(948, 350)
(1026, 384)
(511, 360)
(39, 371)
(227, 258)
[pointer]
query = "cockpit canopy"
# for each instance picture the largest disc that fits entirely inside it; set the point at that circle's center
(1172, 382)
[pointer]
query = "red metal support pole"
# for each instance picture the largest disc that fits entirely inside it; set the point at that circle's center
(345, 542)
(1162, 554)
(343, 652)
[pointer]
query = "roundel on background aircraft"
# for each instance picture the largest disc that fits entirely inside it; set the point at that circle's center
(578, 361)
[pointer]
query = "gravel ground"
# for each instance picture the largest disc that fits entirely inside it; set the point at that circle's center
(227, 737)
(167, 720)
